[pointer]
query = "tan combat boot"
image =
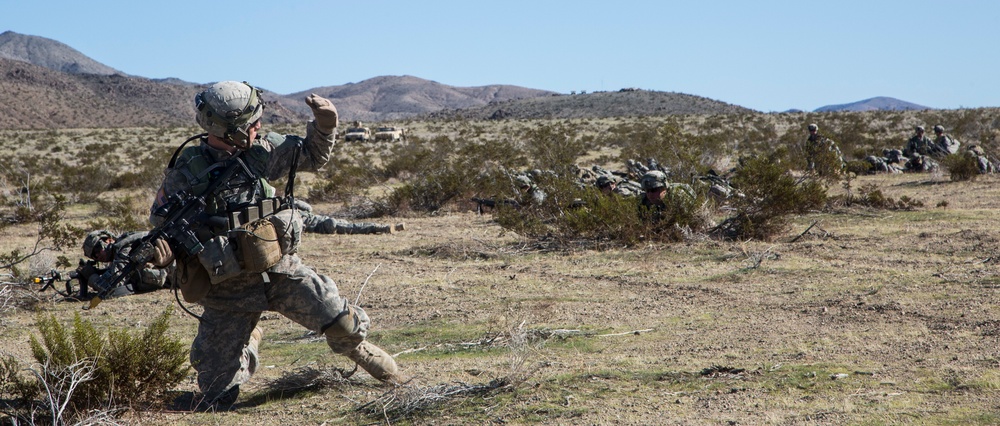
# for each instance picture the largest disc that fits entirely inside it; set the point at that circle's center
(400, 227)
(384, 229)
(376, 362)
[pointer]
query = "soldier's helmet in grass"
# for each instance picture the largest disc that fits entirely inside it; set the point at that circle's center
(653, 179)
(228, 109)
(605, 181)
(523, 181)
(93, 241)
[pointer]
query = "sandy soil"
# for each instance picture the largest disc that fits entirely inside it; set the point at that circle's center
(872, 317)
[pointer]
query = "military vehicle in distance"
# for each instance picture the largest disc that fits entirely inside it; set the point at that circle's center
(390, 134)
(357, 132)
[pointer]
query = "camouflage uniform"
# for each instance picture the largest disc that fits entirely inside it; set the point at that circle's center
(621, 187)
(234, 299)
(676, 192)
(531, 194)
(982, 162)
(143, 281)
(919, 144)
(944, 143)
(821, 153)
(891, 161)
(322, 224)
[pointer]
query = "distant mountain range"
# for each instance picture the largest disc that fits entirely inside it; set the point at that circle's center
(47, 84)
(881, 103)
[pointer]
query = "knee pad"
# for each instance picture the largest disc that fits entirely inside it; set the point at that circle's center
(347, 323)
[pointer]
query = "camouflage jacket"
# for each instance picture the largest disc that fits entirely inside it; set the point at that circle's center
(946, 144)
(269, 158)
(922, 145)
(143, 280)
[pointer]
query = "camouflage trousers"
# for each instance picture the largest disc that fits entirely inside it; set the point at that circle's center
(321, 224)
(220, 352)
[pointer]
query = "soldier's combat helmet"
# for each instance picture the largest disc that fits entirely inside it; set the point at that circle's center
(813, 127)
(605, 181)
(523, 181)
(93, 241)
(919, 129)
(228, 109)
(938, 129)
(653, 179)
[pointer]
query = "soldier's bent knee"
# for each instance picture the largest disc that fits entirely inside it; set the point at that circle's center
(347, 323)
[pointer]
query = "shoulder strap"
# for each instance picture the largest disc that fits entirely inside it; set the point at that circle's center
(173, 158)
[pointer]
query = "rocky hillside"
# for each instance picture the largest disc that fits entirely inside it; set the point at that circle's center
(33, 97)
(50, 54)
(45, 84)
(626, 102)
(392, 97)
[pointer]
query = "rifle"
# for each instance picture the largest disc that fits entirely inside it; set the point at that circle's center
(480, 202)
(182, 212)
(82, 272)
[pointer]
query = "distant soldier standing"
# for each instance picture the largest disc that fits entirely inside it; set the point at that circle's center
(822, 154)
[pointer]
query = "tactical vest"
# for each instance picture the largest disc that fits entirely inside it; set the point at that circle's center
(199, 168)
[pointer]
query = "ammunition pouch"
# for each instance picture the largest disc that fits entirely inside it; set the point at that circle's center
(258, 245)
(193, 280)
(219, 259)
(288, 227)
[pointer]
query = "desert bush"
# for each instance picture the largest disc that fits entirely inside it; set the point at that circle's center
(575, 215)
(14, 386)
(128, 370)
(858, 167)
(869, 195)
(447, 171)
(961, 167)
(770, 195)
(431, 190)
(344, 179)
(121, 214)
(147, 174)
(85, 183)
(685, 155)
(52, 234)
(552, 147)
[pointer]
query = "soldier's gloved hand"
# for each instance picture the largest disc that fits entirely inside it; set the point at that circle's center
(324, 112)
(98, 282)
(86, 270)
(162, 254)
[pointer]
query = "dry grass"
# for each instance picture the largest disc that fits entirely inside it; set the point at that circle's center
(871, 317)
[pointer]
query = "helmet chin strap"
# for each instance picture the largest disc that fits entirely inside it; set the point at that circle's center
(233, 142)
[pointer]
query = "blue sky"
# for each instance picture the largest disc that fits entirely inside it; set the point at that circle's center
(765, 55)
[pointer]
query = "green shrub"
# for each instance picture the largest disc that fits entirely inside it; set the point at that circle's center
(13, 384)
(961, 167)
(121, 214)
(127, 369)
(770, 194)
(869, 195)
(575, 215)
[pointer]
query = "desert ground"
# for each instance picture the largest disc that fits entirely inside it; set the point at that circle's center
(851, 316)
